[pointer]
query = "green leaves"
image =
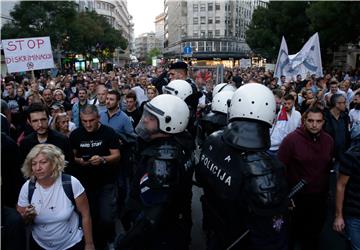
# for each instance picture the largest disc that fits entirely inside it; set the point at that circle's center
(70, 31)
(336, 21)
(153, 52)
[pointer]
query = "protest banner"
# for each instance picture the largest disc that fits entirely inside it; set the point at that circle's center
(25, 54)
(306, 62)
(245, 63)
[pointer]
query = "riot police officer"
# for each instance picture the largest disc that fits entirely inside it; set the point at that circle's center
(217, 118)
(189, 93)
(160, 197)
(223, 87)
(244, 190)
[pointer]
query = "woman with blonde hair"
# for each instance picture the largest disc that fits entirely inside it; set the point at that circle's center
(45, 204)
(151, 92)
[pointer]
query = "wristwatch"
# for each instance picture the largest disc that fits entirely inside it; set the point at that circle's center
(103, 160)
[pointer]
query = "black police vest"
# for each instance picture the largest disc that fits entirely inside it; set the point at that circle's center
(252, 177)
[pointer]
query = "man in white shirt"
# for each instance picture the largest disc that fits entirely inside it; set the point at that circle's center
(354, 113)
(334, 89)
(288, 119)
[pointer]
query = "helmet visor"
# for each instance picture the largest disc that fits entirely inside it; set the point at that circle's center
(147, 126)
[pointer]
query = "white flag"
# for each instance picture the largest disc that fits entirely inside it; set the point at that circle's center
(308, 60)
(282, 59)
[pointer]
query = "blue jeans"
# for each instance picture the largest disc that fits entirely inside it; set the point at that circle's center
(353, 231)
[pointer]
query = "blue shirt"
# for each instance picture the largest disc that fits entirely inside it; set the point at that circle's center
(120, 122)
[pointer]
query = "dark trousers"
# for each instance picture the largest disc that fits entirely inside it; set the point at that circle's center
(307, 220)
(12, 230)
(103, 210)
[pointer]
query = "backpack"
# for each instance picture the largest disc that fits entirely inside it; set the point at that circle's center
(66, 183)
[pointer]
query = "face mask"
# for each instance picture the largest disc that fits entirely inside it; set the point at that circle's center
(357, 106)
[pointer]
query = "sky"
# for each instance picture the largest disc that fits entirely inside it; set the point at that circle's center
(144, 13)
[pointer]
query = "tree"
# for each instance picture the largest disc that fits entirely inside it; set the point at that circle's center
(279, 19)
(40, 18)
(346, 28)
(153, 52)
(336, 22)
(84, 33)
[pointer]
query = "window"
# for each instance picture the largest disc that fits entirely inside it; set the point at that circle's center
(202, 20)
(210, 33)
(210, 20)
(195, 7)
(217, 19)
(217, 32)
(196, 20)
(209, 46)
(202, 33)
(98, 5)
(210, 6)
(224, 47)
(216, 46)
(200, 46)
(196, 34)
(202, 7)
(217, 6)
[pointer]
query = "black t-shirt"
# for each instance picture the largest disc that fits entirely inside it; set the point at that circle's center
(350, 166)
(96, 143)
(16, 105)
(54, 137)
(135, 116)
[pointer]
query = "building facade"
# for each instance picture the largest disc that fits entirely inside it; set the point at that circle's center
(144, 43)
(117, 15)
(214, 30)
(159, 29)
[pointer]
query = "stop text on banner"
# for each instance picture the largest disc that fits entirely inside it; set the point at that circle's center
(24, 54)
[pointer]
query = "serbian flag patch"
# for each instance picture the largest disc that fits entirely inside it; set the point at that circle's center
(144, 178)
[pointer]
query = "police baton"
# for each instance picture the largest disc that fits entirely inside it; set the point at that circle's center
(238, 239)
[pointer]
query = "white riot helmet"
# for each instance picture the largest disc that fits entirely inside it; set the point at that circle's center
(253, 101)
(171, 112)
(220, 101)
(223, 87)
(179, 88)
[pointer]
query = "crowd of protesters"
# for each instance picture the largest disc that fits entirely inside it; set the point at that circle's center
(91, 116)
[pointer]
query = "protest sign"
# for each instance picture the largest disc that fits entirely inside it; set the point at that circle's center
(25, 54)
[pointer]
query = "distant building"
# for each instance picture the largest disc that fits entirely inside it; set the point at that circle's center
(159, 29)
(215, 30)
(116, 12)
(144, 43)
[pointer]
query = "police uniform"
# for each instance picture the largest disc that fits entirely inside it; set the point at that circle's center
(159, 206)
(160, 198)
(245, 193)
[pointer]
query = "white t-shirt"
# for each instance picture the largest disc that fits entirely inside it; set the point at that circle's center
(354, 115)
(56, 225)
